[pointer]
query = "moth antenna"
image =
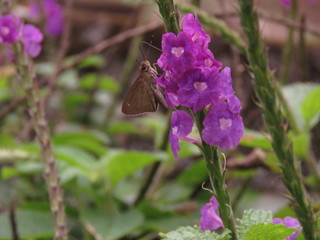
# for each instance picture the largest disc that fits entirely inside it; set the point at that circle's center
(144, 58)
(150, 45)
(148, 49)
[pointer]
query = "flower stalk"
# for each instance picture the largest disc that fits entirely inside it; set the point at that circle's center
(275, 123)
(217, 180)
(26, 75)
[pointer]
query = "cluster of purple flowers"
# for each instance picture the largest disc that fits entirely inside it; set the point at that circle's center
(287, 3)
(12, 30)
(290, 223)
(192, 78)
(53, 14)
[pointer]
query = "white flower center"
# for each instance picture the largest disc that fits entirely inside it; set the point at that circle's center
(174, 130)
(200, 86)
(208, 62)
(4, 30)
(177, 51)
(225, 123)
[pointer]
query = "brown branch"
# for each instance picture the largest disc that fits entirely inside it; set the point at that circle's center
(119, 38)
(254, 160)
(13, 222)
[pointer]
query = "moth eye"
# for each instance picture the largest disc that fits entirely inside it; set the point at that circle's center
(144, 69)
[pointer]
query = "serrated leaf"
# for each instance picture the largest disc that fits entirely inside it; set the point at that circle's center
(194, 233)
(111, 227)
(310, 107)
(252, 217)
(268, 231)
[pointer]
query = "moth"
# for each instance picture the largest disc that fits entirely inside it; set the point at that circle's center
(145, 95)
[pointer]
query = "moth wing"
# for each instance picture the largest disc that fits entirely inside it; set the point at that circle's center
(140, 99)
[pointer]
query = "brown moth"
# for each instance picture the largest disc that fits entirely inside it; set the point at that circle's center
(144, 95)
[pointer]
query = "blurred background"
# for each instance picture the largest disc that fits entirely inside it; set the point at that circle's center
(119, 177)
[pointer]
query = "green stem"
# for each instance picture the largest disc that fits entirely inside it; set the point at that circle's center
(275, 123)
(220, 27)
(217, 180)
(169, 15)
(287, 53)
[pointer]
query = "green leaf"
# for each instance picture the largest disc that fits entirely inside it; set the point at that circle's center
(310, 107)
(252, 217)
(96, 61)
(84, 140)
(194, 174)
(295, 94)
(268, 231)
(255, 139)
(110, 227)
(194, 233)
(31, 225)
(301, 144)
(118, 165)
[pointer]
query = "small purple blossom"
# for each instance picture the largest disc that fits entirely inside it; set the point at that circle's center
(290, 223)
(9, 29)
(181, 127)
(31, 39)
(222, 127)
(210, 219)
(53, 13)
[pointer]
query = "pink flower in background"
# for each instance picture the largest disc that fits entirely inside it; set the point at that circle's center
(53, 13)
(10, 26)
(31, 39)
(287, 3)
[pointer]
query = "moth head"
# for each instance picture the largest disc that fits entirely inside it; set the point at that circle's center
(145, 66)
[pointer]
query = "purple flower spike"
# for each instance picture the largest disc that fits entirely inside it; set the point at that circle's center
(31, 39)
(9, 29)
(210, 219)
(222, 127)
(181, 127)
(290, 223)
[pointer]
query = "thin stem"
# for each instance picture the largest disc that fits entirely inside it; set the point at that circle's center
(36, 110)
(288, 48)
(275, 123)
(217, 180)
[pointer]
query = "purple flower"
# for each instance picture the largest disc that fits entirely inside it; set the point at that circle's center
(9, 29)
(53, 13)
(290, 223)
(192, 27)
(31, 39)
(222, 127)
(198, 88)
(181, 127)
(287, 3)
(178, 52)
(210, 219)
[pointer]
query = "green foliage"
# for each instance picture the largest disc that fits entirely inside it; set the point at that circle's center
(252, 217)
(269, 231)
(194, 233)
(96, 61)
(31, 225)
(112, 226)
(117, 165)
(310, 107)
